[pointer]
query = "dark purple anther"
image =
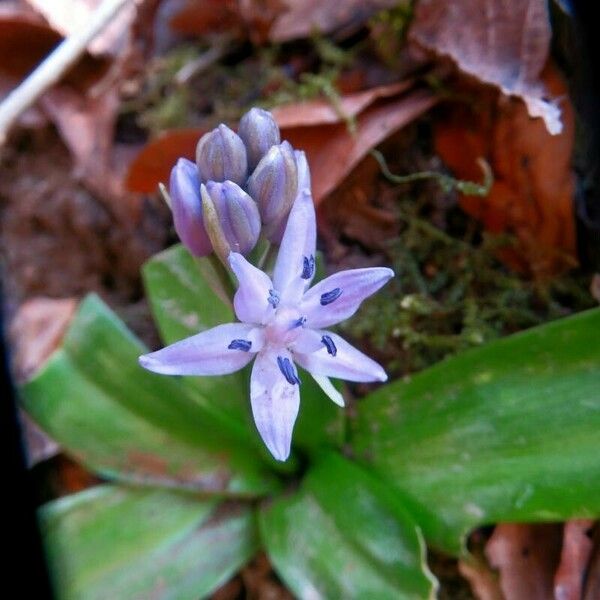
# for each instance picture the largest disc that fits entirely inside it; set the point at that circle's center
(299, 322)
(329, 344)
(273, 298)
(329, 297)
(308, 267)
(286, 368)
(243, 345)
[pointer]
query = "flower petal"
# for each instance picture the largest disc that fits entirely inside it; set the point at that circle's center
(207, 353)
(251, 301)
(326, 385)
(338, 297)
(275, 402)
(298, 243)
(345, 363)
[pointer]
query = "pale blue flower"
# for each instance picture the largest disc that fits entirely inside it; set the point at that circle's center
(281, 324)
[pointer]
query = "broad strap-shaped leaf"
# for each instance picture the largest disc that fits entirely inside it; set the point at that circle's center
(127, 423)
(506, 432)
(344, 535)
(119, 542)
(182, 295)
(183, 301)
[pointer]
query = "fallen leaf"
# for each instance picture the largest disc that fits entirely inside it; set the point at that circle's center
(69, 16)
(86, 125)
(592, 583)
(26, 40)
(201, 17)
(154, 162)
(39, 446)
(302, 18)
(526, 557)
(532, 195)
(575, 556)
(322, 112)
(36, 331)
(501, 42)
(332, 151)
(482, 578)
(359, 209)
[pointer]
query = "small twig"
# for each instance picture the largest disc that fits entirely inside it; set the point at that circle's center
(55, 66)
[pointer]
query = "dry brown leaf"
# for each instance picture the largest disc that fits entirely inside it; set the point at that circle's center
(36, 331)
(86, 126)
(154, 162)
(482, 578)
(592, 580)
(200, 17)
(322, 112)
(25, 40)
(526, 557)
(303, 17)
(69, 16)
(532, 195)
(576, 551)
(502, 42)
(38, 445)
(332, 151)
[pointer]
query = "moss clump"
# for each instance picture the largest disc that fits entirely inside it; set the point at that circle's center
(451, 292)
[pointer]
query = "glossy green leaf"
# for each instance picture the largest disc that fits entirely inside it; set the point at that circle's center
(127, 423)
(183, 300)
(119, 542)
(183, 303)
(344, 535)
(506, 432)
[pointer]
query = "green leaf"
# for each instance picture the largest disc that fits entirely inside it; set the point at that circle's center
(119, 542)
(180, 289)
(505, 432)
(344, 535)
(182, 299)
(127, 423)
(183, 303)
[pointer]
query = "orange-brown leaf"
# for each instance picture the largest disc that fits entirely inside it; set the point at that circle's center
(501, 42)
(25, 42)
(154, 163)
(322, 112)
(532, 195)
(333, 151)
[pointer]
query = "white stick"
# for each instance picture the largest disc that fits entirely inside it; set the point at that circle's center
(55, 66)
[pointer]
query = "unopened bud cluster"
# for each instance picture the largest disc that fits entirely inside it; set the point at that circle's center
(242, 184)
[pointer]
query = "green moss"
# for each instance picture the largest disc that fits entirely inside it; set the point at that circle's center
(451, 293)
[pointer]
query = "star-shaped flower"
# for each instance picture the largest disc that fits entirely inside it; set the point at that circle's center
(281, 323)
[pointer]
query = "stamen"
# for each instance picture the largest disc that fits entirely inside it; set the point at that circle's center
(329, 297)
(243, 345)
(328, 343)
(287, 370)
(273, 298)
(308, 267)
(298, 323)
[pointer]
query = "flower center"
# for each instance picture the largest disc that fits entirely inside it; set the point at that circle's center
(284, 327)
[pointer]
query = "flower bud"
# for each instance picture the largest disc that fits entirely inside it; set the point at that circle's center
(277, 230)
(259, 132)
(184, 189)
(221, 156)
(274, 185)
(238, 226)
